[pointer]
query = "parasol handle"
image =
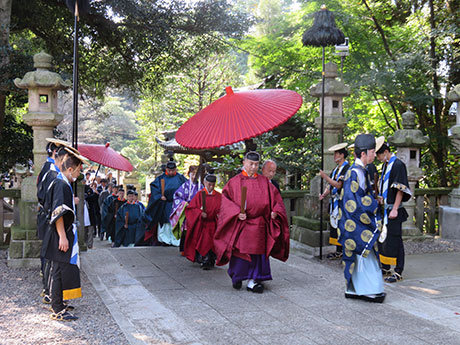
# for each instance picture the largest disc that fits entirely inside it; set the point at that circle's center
(97, 171)
(203, 200)
(244, 191)
(126, 219)
(162, 187)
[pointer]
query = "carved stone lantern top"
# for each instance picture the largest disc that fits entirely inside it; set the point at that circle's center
(409, 136)
(333, 86)
(408, 120)
(42, 77)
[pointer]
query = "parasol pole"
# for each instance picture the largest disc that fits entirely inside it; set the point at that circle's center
(98, 167)
(322, 162)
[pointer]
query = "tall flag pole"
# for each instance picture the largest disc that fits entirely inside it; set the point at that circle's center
(75, 79)
(323, 33)
(77, 7)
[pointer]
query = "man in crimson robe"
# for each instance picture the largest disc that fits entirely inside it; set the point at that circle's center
(201, 220)
(252, 226)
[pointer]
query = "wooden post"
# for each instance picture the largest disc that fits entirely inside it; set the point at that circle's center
(431, 215)
(203, 200)
(244, 191)
(419, 211)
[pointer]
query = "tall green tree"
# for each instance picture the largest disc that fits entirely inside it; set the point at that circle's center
(183, 94)
(403, 54)
(122, 41)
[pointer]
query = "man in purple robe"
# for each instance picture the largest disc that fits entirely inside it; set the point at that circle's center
(251, 230)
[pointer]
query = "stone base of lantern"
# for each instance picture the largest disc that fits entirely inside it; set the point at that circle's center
(24, 250)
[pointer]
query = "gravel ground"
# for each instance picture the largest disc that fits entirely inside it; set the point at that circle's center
(424, 245)
(24, 319)
(431, 245)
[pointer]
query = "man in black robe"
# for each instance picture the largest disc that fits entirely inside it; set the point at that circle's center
(108, 213)
(394, 190)
(60, 244)
(113, 208)
(49, 171)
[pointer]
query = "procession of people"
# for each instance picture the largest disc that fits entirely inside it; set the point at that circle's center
(242, 226)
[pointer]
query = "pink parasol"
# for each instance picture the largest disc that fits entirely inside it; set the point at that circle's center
(238, 116)
(105, 155)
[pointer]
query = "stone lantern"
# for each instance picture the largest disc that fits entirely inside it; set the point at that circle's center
(408, 142)
(307, 227)
(42, 85)
(334, 122)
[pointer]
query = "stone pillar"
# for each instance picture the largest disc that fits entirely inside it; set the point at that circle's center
(334, 122)
(42, 85)
(408, 142)
(449, 217)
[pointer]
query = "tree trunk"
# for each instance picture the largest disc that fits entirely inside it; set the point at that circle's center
(5, 19)
(440, 153)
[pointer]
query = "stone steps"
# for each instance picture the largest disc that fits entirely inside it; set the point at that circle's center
(307, 231)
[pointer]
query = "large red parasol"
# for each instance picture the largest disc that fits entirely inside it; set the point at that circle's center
(238, 116)
(105, 155)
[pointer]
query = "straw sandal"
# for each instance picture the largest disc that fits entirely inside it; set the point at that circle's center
(396, 277)
(63, 315)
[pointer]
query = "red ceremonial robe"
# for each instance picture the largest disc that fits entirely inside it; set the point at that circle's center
(200, 231)
(258, 234)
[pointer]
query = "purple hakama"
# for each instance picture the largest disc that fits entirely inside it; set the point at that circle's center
(258, 268)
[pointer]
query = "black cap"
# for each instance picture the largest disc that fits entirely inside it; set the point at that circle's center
(130, 192)
(365, 142)
(171, 165)
(252, 156)
(210, 178)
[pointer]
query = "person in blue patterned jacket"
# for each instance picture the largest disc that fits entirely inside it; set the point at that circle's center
(359, 227)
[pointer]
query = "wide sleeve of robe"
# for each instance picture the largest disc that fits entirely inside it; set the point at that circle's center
(358, 229)
(228, 225)
(399, 181)
(279, 236)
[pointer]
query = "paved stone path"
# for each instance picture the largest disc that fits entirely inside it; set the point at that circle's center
(158, 297)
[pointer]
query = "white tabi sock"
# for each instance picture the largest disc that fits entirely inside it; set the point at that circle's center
(251, 283)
